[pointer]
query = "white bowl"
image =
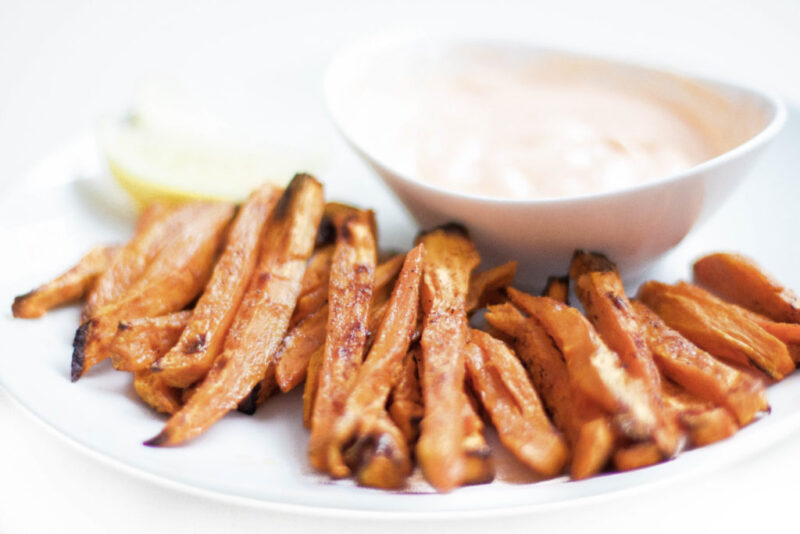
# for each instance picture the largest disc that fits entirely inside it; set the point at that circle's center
(633, 226)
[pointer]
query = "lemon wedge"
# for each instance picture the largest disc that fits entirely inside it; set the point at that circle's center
(163, 154)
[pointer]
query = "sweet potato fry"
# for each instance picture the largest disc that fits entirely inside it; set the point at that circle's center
(486, 287)
(699, 372)
(311, 385)
(156, 225)
(450, 257)
(717, 327)
(377, 374)
(557, 288)
(586, 427)
(66, 288)
(599, 288)
(140, 342)
(594, 368)
(478, 465)
(158, 395)
(314, 291)
(263, 316)
(295, 351)
(175, 277)
(738, 279)
(379, 456)
(202, 339)
(704, 422)
(636, 456)
(349, 297)
(513, 405)
(405, 407)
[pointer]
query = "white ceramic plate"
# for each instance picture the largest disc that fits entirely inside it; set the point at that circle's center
(55, 215)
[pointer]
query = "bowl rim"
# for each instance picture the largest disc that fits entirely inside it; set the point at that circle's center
(370, 45)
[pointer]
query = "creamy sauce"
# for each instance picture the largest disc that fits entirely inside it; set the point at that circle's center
(485, 124)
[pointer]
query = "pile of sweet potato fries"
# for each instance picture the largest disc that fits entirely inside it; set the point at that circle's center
(213, 307)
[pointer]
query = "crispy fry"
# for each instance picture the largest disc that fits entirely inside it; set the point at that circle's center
(593, 367)
(513, 405)
(704, 422)
(295, 351)
(738, 279)
(406, 408)
(66, 288)
(585, 425)
(557, 288)
(263, 316)
(450, 257)
(636, 456)
(171, 281)
(155, 226)
(140, 342)
(700, 373)
(377, 374)
(599, 288)
(158, 395)
(351, 287)
(314, 292)
(717, 327)
(379, 456)
(201, 342)
(487, 287)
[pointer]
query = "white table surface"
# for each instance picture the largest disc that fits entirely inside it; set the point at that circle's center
(64, 64)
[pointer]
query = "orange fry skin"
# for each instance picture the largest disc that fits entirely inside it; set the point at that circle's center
(699, 372)
(154, 228)
(383, 364)
(314, 292)
(295, 351)
(263, 316)
(379, 457)
(717, 327)
(406, 408)
(349, 297)
(450, 257)
(593, 367)
(311, 385)
(636, 456)
(586, 427)
(599, 288)
(155, 393)
(513, 405)
(704, 422)
(486, 287)
(557, 288)
(479, 468)
(140, 342)
(201, 341)
(175, 277)
(741, 281)
(66, 288)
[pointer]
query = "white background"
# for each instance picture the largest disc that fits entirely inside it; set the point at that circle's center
(65, 64)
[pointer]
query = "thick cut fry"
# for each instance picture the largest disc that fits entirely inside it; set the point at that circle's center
(513, 405)
(406, 408)
(704, 422)
(153, 391)
(700, 373)
(201, 341)
(170, 282)
(157, 224)
(557, 288)
(585, 425)
(593, 367)
(66, 288)
(717, 327)
(314, 291)
(383, 364)
(351, 287)
(599, 288)
(450, 257)
(636, 456)
(140, 342)
(379, 457)
(487, 287)
(263, 316)
(302, 341)
(738, 279)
